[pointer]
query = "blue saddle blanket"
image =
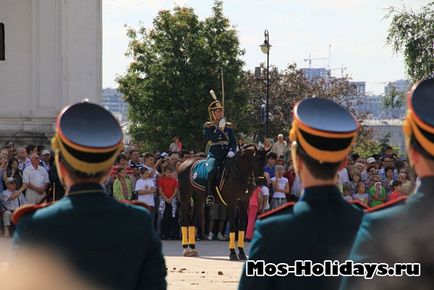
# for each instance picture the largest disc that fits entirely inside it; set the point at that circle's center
(199, 174)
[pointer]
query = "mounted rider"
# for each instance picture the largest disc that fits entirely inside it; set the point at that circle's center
(221, 144)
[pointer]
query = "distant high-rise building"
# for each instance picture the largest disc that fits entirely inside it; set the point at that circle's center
(112, 101)
(373, 106)
(312, 73)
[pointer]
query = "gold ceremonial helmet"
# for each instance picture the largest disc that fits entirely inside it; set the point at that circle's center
(214, 105)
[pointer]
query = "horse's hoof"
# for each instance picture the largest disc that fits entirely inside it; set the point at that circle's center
(233, 257)
(194, 253)
(242, 256)
(186, 252)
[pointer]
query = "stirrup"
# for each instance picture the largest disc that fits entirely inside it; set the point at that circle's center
(209, 200)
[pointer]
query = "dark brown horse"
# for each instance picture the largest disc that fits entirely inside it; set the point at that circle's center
(242, 170)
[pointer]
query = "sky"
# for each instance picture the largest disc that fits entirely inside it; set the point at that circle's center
(355, 31)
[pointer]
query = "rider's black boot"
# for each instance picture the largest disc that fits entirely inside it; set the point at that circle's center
(210, 190)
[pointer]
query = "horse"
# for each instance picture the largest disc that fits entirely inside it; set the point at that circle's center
(241, 172)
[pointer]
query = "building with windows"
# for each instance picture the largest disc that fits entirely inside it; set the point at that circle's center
(112, 101)
(313, 73)
(383, 127)
(50, 56)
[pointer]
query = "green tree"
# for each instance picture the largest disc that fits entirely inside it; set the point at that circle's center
(174, 66)
(393, 99)
(412, 32)
(287, 87)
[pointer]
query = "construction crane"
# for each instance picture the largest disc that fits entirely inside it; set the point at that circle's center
(309, 60)
(342, 68)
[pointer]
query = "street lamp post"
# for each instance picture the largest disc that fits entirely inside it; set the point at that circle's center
(265, 48)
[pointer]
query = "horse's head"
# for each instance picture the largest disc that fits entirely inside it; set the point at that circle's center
(257, 159)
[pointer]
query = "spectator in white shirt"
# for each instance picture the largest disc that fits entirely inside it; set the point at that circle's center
(146, 188)
(35, 177)
(280, 186)
(280, 147)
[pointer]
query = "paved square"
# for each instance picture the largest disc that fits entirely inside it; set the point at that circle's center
(211, 271)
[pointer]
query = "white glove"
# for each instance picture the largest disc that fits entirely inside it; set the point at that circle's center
(231, 154)
(222, 124)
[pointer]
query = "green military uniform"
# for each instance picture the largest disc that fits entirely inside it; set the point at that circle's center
(109, 243)
(322, 225)
(404, 233)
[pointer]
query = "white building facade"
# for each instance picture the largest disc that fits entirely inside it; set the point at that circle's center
(52, 57)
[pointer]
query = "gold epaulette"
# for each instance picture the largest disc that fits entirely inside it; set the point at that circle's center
(279, 209)
(26, 209)
(388, 204)
(229, 125)
(208, 124)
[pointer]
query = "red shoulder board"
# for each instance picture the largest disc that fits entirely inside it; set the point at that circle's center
(276, 210)
(360, 204)
(390, 203)
(26, 209)
(136, 202)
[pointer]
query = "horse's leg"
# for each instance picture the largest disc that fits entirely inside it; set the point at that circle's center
(198, 204)
(241, 228)
(232, 227)
(186, 194)
(185, 207)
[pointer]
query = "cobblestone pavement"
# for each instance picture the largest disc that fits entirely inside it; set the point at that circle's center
(211, 271)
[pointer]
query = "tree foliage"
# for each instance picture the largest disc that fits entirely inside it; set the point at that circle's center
(287, 87)
(393, 99)
(174, 66)
(412, 32)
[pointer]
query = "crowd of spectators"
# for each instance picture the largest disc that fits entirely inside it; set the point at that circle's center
(29, 176)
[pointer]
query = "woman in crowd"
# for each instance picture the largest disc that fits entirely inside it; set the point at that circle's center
(361, 193)
(387, 182)
(377, 193)
(122, 189)
(12, 170)
(406, 184)
(356, 178)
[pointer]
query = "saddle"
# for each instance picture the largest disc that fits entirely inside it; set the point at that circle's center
(198, 176)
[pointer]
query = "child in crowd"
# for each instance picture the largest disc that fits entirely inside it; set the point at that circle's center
(122, 188)
(346, 192)
(361, 193)
(406, 184)
(265, 193)
(356, 177)
(377, 193)
(280, 187)
(168, 189)
(397, 190)
(145, 188)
